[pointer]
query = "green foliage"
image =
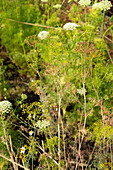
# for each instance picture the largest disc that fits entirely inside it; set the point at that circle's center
(102, 132)
(17, 140)
(3, 163)
(2, 78)
(71, 71)
(53, 20)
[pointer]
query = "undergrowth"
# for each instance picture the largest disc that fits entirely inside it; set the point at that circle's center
(62, 51)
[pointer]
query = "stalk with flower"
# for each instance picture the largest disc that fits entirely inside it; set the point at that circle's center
(103, 6)
(85, 3)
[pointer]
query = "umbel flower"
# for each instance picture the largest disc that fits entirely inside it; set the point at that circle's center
(57, 6)
(6, 106)
(42, 124)
(70, 26)
(84, 2)
(43, 35)
(81, 91)
(44, 0)
(102, 6)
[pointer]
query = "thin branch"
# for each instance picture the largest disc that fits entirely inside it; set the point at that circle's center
(85, 113)
(99, 101)
(64, 143)
(108, 39)
(84, 82)
(10, 141)
(6, 142)
(90, 156)
(93, 83)
(59, 122)
(78, 100)
(27, 23)
(44, 26)
(109, 55)
(107, 30)
(59, 114)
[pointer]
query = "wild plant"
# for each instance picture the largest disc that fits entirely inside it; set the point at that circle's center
(3, 82)
(71, 71)
(6, 135)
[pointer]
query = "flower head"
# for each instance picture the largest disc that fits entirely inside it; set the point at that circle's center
(102, 6)
(57, 6)
(81, 91)
(43, 35)
(44, 0)
(6, 106)
(23, 150)
(31, 132)
(32, 80)
(42, 124)
(70, 26)
(23, 96)
(84, 2)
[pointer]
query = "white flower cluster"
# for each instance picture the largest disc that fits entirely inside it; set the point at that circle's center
(42, 124)
(6, 106)
(104, 5)
(70, 26)
(44, 0)
(84, 2)
(43, 35)
(81, 91)
(57, 6)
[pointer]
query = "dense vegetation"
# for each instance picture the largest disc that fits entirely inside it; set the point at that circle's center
(56, 85)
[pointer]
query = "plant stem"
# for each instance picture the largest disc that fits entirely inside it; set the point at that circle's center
(107, 31)
(27, 23)
(32, 162)
(64, 144)
(59, 121)
(58, 114)
(84, 90)
(90, 156)
(85, 15)
(103, 22)
(111, 154)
